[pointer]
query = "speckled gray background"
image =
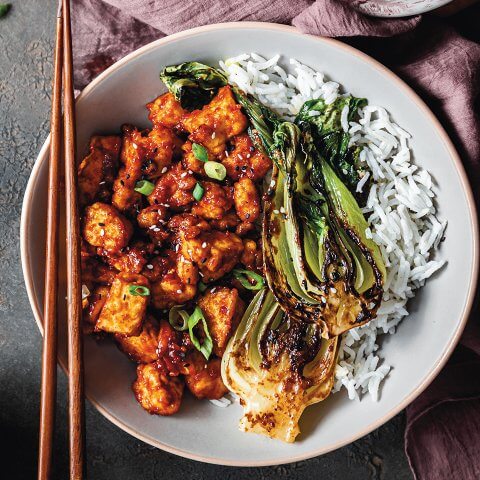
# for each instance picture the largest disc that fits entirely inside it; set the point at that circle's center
(26, 43)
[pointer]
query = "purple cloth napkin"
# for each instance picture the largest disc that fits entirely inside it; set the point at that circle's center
(442, 437)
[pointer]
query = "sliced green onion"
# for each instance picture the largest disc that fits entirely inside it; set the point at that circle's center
(4, 8)
(206, 347)
(200, 152)
(215, 170)
(144, 187)
(138, 290)
(178, 318)
(202, 287)
(244, 277)
(198, 192)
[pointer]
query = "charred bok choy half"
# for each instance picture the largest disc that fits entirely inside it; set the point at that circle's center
(324, 275)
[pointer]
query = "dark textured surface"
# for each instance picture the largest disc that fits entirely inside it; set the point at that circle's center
(26, 39)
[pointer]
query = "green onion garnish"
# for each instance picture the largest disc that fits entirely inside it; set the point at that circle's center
(4, 9)
(144, 187)
(178, 318)
(138, 290)
(202, 287)
(198, 192)
(206, 347)
(215, 170)
(200, 152)
(244, 277)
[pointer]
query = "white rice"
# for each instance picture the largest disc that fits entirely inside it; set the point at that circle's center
(399, 209)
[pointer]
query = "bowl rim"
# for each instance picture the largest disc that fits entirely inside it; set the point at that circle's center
(435, 369)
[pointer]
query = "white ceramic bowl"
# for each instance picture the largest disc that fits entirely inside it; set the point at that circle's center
(425, 339)
(397, 8)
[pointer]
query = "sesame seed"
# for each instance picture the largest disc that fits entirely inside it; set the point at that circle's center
(333, 290)
(276, 212)
(184, 174)
(213, 135)
(164, 169)
(226, 153)
(101, 183)
(179, 291)
(134, 145)
(150, 266)
(152, 227)
(213, 290)
(282, 210)
(102, 232)
(240, 156)
(248, 155)
(204, 244)
(190, 172)
(324, 300)
(156, 229)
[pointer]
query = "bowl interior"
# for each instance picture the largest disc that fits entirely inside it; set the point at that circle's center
(424, 339)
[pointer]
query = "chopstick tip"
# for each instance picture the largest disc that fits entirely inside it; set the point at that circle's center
(59, 11)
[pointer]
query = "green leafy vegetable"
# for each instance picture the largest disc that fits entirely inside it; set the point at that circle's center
(192, 83)
(198, 192)
(206, 347)
(4, 9)
(144, 187)
(138, 290)
(277, 367)
(200, 152)
(215, 170)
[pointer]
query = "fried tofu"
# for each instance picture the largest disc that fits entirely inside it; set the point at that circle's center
(247, 200)
(215, 202)
(156, 391)
(131, 259)
(95, 303)
(215, 253)
(125, 198)
(123, 312)
(223, 310)
(191, 162)
(204, 379)
(252, 256)
(153, 219)
(97, 170)
(246, 161)
(141, 348)
(105, 227)
(165, 111)
(177, 284)
(217, 122)
(172, 350)
(159, 146)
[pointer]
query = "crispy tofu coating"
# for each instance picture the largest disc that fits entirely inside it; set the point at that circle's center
(95, 303)
(223, 310)
(141, 348)
(129, 259)
(188, 226)
(177, 283)
(205, 379)
(215, 203)
(245, 161)
(97, 170)
(174, 189)
(216, 123)
(156, 391)
(123, 312)
(125, 198)
(252, 257)
(247, 200)
(215, 253)
(165, 111)
(105, 227)
(158, 148)
(173, 348)
(153, 220)
(191, 162)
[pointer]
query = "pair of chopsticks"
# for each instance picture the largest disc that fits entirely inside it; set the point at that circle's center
(62, 125)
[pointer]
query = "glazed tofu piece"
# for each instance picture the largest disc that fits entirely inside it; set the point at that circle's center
(125, 198)
(217, 122)
(141, 348)
(191, 162)
(97, 170)
(252, 257)
(174, 189)
(153, 219)
(165, 111)
(245, 161)
(215, 253)
(159, 146)
(215, 203)
(156, 391)
(204, 379)
(105, 227)
(177, 284)
(124, 312)
(247, 200)
(131, 259)
(95, 302)
(223, 310)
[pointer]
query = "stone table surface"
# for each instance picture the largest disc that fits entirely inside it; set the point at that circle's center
(27, 39)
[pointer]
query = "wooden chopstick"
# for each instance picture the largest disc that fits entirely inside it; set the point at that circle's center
(49, 353)
(74, 310)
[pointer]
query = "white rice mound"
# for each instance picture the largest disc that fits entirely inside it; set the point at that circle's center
(400, 208)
